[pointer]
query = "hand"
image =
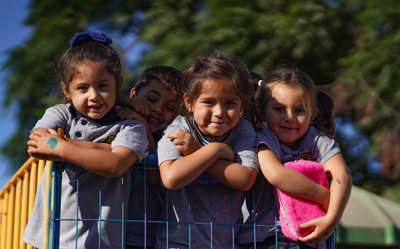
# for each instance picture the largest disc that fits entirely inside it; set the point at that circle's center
(226, 152)
(44, 143)
(140, 106)
(183, 141)
(323, 229)
(127, 113)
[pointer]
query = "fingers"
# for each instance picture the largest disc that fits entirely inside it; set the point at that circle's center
(178, 134)
(51, 131)
(142, 107)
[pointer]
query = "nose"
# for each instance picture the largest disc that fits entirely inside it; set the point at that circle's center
(158, 107)
(219, 110)
(289, 116)
(93, 94)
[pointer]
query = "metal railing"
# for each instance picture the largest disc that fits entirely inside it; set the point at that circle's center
(18, 196)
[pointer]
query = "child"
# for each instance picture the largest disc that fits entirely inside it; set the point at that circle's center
(161, 89)
(90, 74)
(207, 158)
(286, 101)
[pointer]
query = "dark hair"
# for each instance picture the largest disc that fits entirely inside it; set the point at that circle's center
(289, 76)
(90, 51)
(324, 120)
(216, 67)
(170, 76)
(251, 75)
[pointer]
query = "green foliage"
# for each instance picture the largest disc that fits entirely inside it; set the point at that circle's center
(350, 41)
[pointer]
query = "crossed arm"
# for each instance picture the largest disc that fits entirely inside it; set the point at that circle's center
(95, 157)
(213, 158)
(333, 201)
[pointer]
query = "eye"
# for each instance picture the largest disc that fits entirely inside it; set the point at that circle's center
(208, 102)
(278, 109)
(103, 85)
(301, 110)
(151, 99)
(230, 103)
(82, 88)
(170, 108)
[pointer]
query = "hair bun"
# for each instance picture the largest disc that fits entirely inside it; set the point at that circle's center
(82, 37)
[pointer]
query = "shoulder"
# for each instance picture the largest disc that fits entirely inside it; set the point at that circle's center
(57, 116)
(179, 123)
(61, 109)
(264, 133)
(244, 124)
(244, 129)
(321, 146)
(267, 137)
(314, 136)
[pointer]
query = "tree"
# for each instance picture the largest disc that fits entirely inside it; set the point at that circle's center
(348, 47)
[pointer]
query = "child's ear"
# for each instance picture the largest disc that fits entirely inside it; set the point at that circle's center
(119, 83)
(187, 103)
(314, 114)
(65, 91)
(133, 93)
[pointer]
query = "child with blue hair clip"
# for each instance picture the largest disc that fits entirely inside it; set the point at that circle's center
(95, 188)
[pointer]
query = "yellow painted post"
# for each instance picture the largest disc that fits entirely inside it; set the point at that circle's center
(47, 198)
(4, 220)
(1, 216)
(10, 217)
(32, 187)
(17, 213)
(32, 191)
(40, 172)
(24, 208)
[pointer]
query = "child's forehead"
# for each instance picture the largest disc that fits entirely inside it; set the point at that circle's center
(284, 91)
(157, 86)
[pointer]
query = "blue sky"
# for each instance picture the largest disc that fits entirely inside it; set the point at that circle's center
(13, 33)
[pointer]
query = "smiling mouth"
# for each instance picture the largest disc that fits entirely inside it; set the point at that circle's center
(218, 122)
(95, 107)
(153, 120)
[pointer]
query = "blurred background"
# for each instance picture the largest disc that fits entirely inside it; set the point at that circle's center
(349, 48)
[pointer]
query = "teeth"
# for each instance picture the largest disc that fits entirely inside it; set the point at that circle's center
(154, 119)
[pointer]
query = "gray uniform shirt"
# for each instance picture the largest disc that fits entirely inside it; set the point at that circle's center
(99, 197)
(314, 144)
(213, 206)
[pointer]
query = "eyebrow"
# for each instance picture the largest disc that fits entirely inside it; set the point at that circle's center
(156, 92)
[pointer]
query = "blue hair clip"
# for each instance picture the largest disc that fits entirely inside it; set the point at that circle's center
(80, 38)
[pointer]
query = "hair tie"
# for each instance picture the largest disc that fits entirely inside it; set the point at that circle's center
(259, 83)
(80, 38)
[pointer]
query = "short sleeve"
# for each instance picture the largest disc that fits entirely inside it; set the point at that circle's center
(323, 147)
(134, 137)
(166, 149)
(54, 117)
(244, 148)
(267, 137)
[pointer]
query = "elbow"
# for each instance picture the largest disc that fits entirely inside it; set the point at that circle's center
(170, 182)
(248, 182)
(117, 170)
(274, 178)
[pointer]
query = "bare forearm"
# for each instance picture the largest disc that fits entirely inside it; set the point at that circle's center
(123, 101)
(106, 163)
(232, 174)
(340, 193)
(92, 145)
(301, 186)
(179, 173)
(289, 180)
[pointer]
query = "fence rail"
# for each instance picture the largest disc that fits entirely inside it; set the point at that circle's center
(16, 203)
(17, 200)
